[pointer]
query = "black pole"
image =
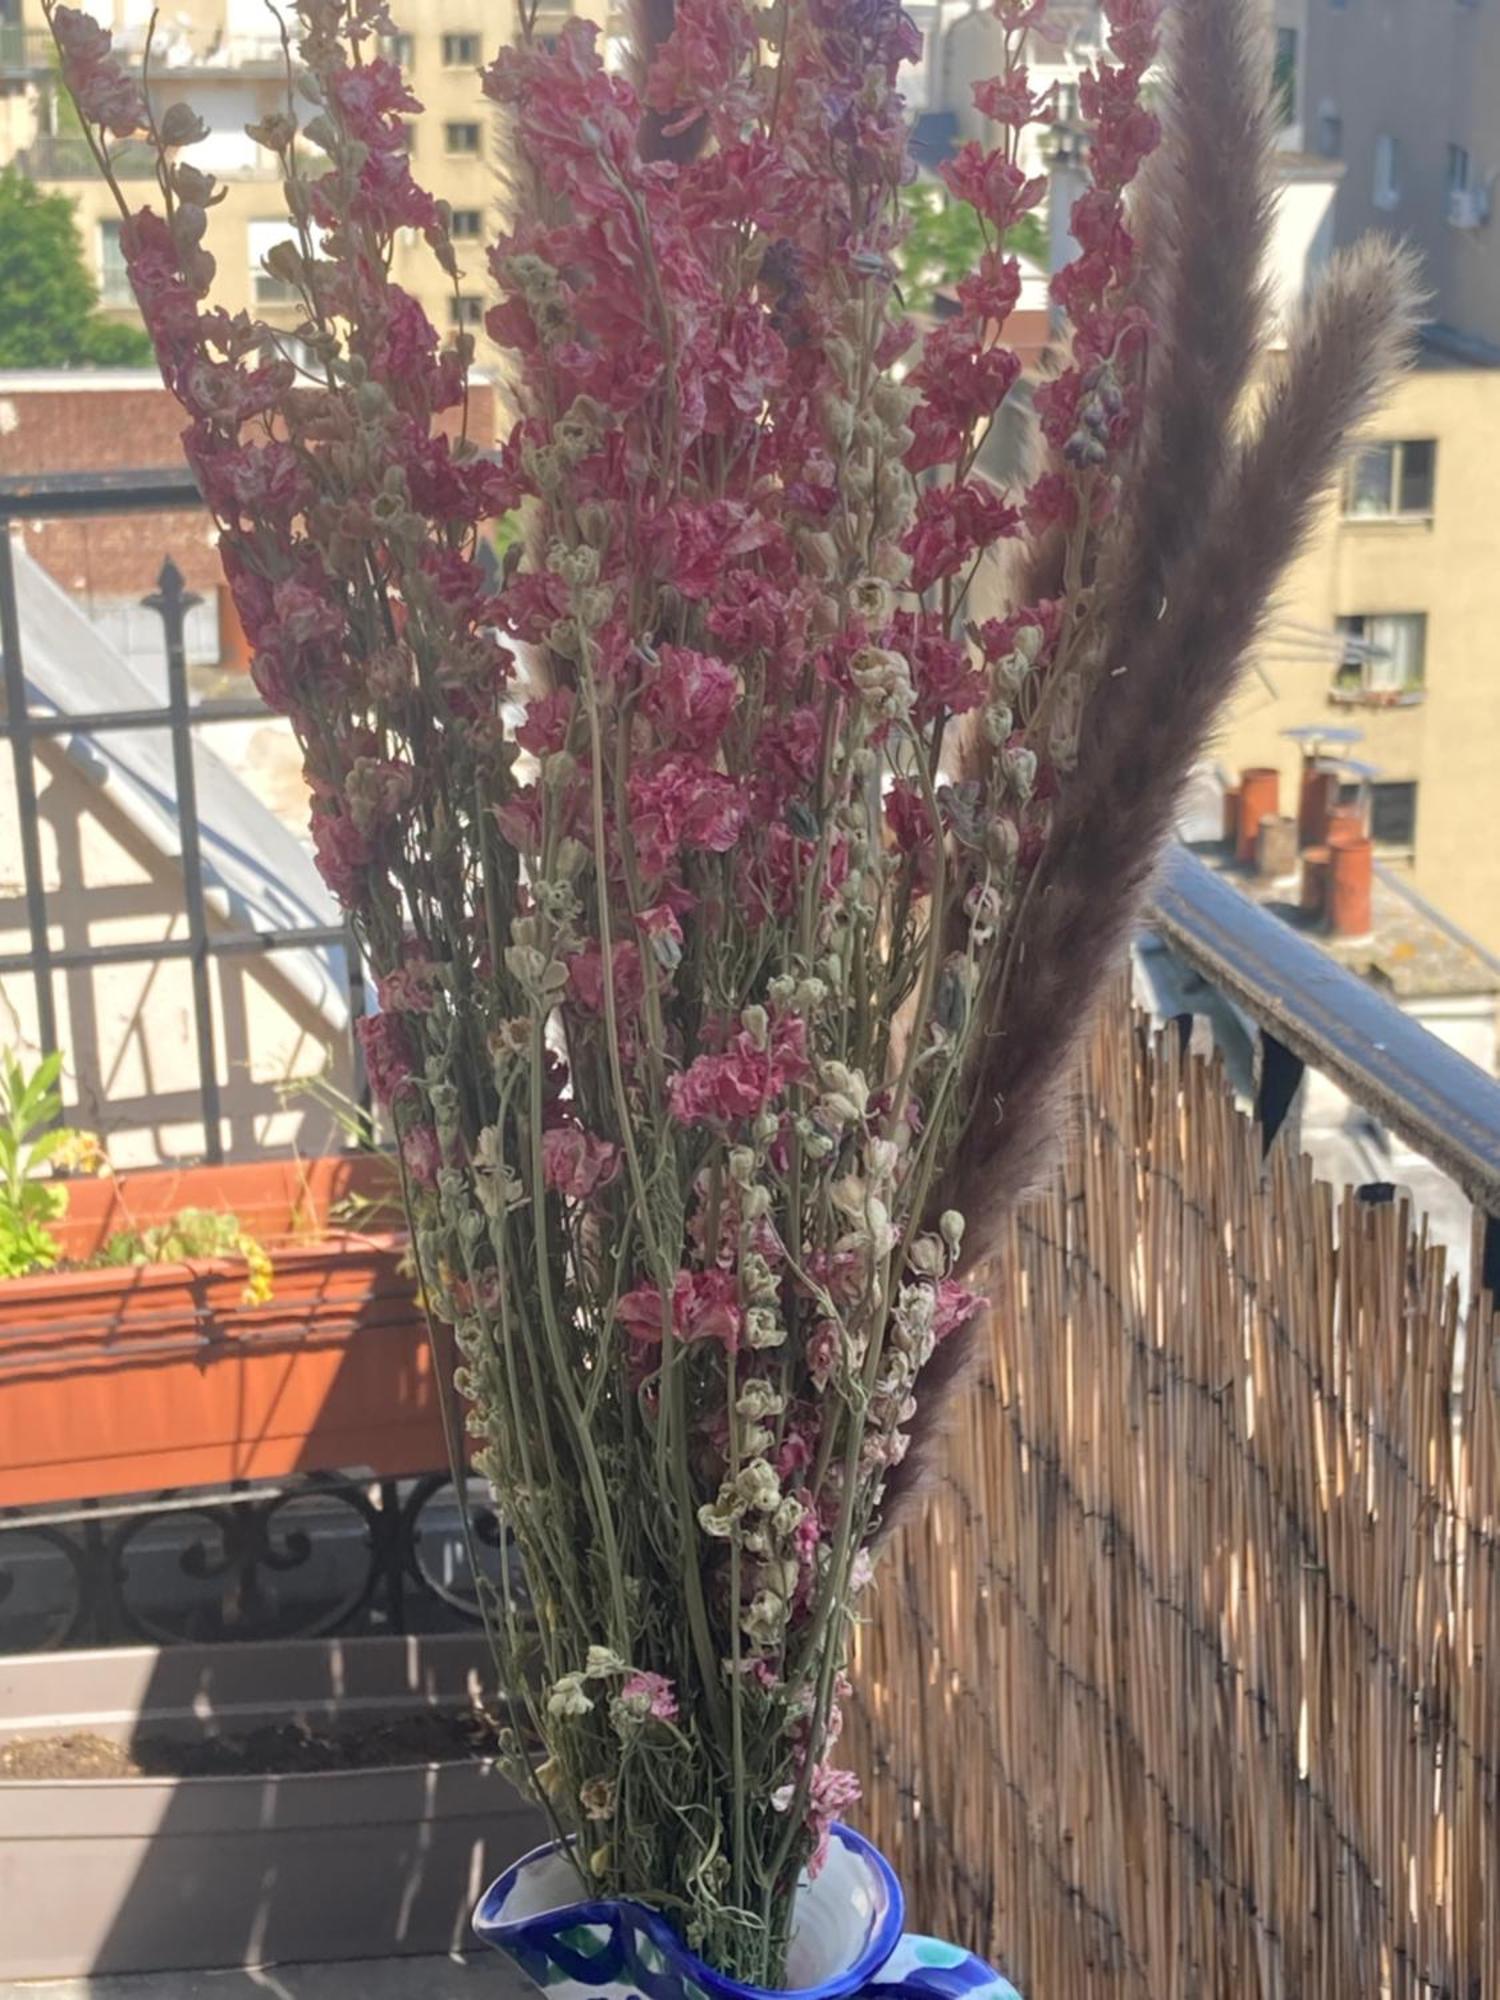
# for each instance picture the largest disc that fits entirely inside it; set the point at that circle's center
(172, 603)
(19, 731)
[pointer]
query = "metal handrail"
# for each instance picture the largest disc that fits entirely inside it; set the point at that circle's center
(1443, 1106)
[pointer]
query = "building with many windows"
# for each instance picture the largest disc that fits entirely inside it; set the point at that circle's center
(224, 57)
(1389, 622)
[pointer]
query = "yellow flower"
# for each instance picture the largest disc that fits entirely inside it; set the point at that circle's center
(259, 1287)
(79, 1153)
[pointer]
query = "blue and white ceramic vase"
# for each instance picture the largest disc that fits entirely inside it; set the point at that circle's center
(848, 1939)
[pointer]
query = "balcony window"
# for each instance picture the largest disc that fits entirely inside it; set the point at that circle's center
(1330, 132)
(1389, 480)
(467, 225)
(1457, 180)
(1384, 656)
(269, 290)
(461, 138)
(114, 280)
(460, 51)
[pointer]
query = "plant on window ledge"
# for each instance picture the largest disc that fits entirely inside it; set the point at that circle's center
(719, 988)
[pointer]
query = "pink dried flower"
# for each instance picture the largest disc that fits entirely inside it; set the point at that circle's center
(388, 1057)
(650, 1696)
(575, 1163)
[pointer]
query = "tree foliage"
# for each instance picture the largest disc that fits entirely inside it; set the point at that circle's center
(945, 240)
(49, 308)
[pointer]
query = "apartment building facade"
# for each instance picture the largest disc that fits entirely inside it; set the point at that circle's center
(224, 57)
(1389, 625)
(1407, 94)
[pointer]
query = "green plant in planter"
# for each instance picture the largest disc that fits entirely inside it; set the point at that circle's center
(34, 1149)
(194, 1232)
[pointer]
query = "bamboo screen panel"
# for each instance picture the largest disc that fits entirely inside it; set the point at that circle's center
(1185, 1682)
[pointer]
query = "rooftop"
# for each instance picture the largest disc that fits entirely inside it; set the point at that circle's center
(1414, 952)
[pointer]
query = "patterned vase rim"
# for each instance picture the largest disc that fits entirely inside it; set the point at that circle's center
(884, 1936)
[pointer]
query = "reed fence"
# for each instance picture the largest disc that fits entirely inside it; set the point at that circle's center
(1186, 1680)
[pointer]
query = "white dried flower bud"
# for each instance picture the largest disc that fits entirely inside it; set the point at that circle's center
(759, 1398)
(763, 1329)
(757, 1487)
(1018, 768)
(999, 721)
(765, 1620)
(951, 1227)
(757, 1025)
(928, 1257)
(741, 1164)
(1029, 642)
(567, 1697)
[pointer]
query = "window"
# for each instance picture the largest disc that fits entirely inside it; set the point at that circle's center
(1393, 813)
(398, 49)
(1330, 131)
(461, 138)
(1458, 169)
(1387, 172)
(1384, 655)
(114, 280)
(269, 290)
(1284, 76)
(465, 310)
(465, 224)
(460, 51)
(1387, 479)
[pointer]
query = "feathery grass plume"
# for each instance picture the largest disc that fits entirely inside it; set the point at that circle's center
(1342, 351)
(1204, 223)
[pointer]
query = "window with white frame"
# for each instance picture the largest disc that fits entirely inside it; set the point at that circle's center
(461, 137)
(114, 279)
(465, 310)
(460, 51)
(1387, 192)
(1384, 654)
(1386, 480)
(466, 224)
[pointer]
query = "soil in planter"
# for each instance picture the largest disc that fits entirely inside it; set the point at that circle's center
(278, 1749)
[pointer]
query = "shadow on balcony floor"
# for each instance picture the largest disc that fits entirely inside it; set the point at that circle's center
(445, 1978)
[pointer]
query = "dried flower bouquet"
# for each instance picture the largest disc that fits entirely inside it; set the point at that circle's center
(736, 894)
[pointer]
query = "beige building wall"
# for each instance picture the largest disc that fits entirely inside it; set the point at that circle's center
(1446, 739)
(1407, 93)
(223, 58)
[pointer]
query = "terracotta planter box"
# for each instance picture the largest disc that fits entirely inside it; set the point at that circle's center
(166, 1874)
(125, 1381)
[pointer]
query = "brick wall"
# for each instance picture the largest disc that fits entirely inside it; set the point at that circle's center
(130, 425)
